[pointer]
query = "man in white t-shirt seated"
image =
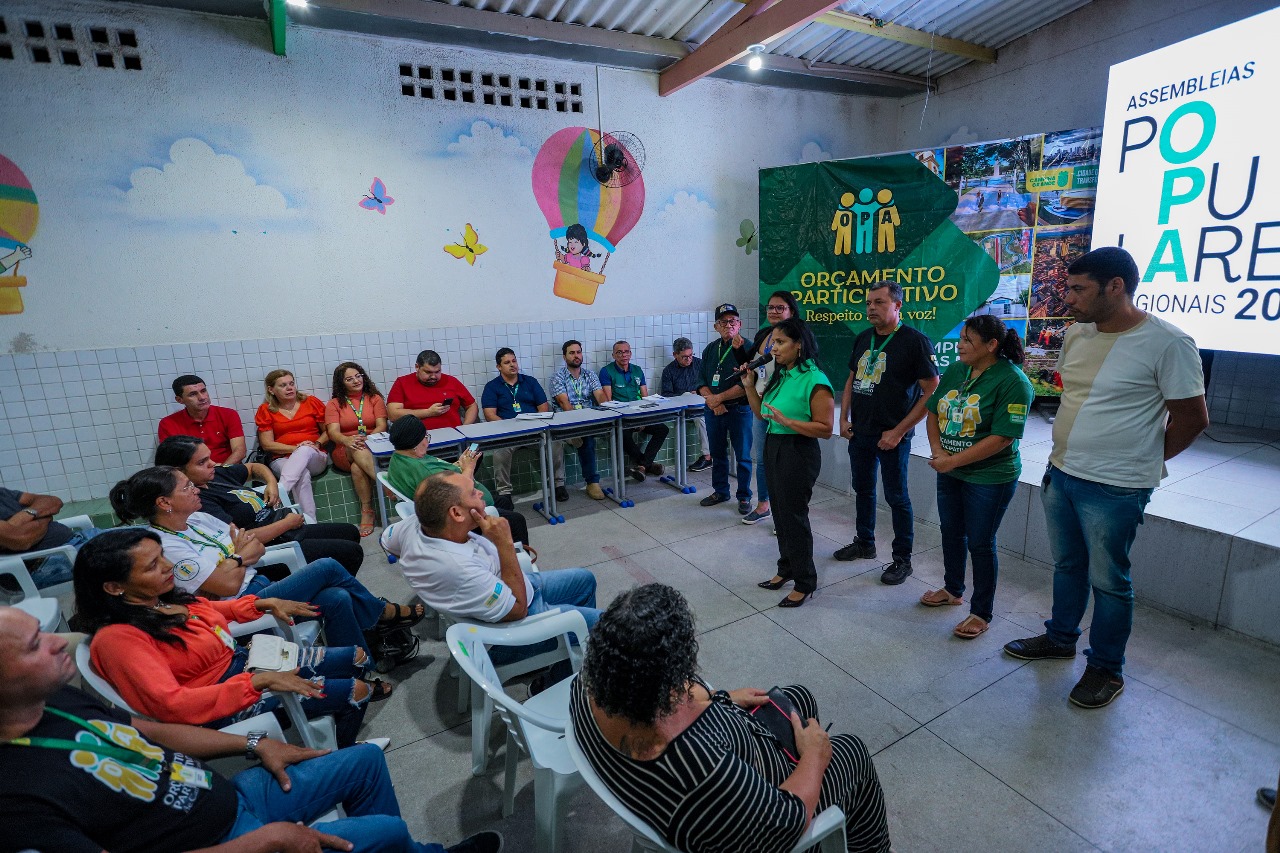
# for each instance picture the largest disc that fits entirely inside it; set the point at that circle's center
(478, 576)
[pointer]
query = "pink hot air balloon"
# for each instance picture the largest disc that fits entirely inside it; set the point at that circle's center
(581, 210)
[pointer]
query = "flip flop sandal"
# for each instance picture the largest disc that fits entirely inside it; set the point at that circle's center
(965, 629)
(930, 598)
(379, 690)
(366, 523)
(417, 612)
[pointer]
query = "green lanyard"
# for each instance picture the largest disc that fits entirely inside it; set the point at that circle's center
(576, 387)
(514, 391)
(359, 415)
(104, 747)
(968, 382)
(205, 539)
(724, 353)
(873, 352)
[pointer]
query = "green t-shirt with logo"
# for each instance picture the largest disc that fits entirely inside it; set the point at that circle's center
(407, 472)
(626, 386)
(968, 411)
(791, 393)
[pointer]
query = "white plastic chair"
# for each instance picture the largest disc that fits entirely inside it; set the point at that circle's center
(535, 726)
(826, 829)
(385, 482)
(42, 604)
(320, 733)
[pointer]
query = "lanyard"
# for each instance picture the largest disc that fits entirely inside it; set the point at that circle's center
(205, 539)
(873, 352)
(103, 747)
(576, 385)
(969, 379)
(360, 428)
(515, 391)
(724, 353)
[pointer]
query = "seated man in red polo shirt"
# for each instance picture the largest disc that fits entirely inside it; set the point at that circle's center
(432, 395)
(218, 427)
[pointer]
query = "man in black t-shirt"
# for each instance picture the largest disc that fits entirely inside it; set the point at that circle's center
(892, 372)
(76, 777)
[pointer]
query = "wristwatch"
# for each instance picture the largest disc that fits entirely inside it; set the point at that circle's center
(251, 744)
(237, 558)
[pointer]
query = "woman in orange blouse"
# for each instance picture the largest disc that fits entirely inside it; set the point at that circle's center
(291, 431)
(170, 654)
(356, 409)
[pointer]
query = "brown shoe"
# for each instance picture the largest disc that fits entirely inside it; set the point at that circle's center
(595, 492)
(655, 469)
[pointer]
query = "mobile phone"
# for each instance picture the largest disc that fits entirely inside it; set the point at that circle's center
(448, 401)
(474, 448)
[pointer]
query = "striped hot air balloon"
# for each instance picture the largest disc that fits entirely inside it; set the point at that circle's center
(19, 214)
(569, 195)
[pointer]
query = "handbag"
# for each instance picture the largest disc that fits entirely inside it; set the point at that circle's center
(269, 653)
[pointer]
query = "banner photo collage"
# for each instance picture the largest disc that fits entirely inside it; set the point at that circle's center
(984, 228)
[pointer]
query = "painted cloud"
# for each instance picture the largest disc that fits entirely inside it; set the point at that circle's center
(812, 153)
(200, 185)
(685, 210)
(487, 140)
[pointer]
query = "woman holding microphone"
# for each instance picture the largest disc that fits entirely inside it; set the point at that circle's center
(799, 406)
(781, 306)
(978, 413)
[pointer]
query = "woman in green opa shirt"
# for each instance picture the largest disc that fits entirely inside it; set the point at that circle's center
(976, 417)
(799, 406)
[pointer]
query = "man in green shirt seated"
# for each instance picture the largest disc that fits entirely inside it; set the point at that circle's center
(411, 464)
(624, 382)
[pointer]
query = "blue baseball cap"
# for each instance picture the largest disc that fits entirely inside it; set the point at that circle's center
(727, 308)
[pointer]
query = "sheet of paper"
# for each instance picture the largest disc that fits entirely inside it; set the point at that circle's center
(534, 416)
(379, 442)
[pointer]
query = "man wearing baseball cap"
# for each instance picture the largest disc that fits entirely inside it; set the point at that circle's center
(728, 415)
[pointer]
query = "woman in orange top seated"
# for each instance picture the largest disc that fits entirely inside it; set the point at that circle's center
(356, 409)
(291, 432)
(171, 657)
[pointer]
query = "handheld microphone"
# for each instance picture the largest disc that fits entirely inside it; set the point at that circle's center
(759, 361)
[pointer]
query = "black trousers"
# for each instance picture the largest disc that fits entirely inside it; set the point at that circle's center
(792, 464)
(657, 434)
(329, 539)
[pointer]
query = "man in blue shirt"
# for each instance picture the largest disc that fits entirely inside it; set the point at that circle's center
(624, 382)
(508, 394)
(684, 376)
(573, 387)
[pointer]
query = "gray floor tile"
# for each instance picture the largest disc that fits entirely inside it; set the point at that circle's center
(939, 800)
(1146, 773)
(680, 517)
(834, 519)
(712, 604)
(756, 652)
(903, 651)
(605, 536)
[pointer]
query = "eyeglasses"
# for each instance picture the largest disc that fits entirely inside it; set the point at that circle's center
(776, 308)
(359, 377)
(189, 487)
(730, 323)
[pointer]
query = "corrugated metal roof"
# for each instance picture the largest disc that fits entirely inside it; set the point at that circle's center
(991, 23)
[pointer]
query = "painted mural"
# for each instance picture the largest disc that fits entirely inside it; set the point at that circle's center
(19, 214)
(585, 212)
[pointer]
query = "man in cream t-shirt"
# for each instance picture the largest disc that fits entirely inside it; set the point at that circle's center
(1132, 397)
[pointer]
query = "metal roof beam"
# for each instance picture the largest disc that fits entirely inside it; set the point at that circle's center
(718, 51)
(906, 35)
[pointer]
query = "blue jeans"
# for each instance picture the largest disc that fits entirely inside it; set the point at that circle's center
(1091, 529)
(970, 514)
(356, 777)
(347, 608)
(567, 589)
(56, 568)
(759, 427)
(587, 460)
(339, 671)
(864, 457)
(734, 425)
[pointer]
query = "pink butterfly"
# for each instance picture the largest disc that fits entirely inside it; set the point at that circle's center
(377, 198)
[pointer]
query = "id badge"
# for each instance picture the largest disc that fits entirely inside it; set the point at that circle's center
(227, 640)
(957, 416)
(715, 379)
(577, 405)
(184, 774)
(515, 407)
(863, 386)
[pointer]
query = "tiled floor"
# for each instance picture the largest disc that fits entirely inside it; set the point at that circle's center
(976, 750)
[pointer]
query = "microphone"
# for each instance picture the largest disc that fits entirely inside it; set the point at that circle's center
(759, 361)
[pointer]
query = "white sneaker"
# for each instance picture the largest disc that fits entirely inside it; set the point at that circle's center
(382, 743)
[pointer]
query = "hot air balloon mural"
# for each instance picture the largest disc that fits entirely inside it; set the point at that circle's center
(584, 212)
(19, 213)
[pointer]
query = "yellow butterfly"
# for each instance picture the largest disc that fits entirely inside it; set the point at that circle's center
(469, 247)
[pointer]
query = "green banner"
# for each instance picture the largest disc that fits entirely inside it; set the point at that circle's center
(829, 230)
